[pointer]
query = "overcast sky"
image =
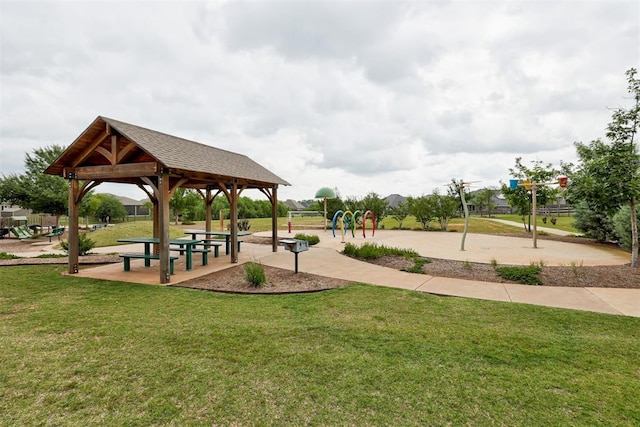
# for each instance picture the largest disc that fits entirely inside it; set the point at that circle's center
(391, 97)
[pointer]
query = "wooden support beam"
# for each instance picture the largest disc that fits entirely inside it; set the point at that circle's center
(74, 243)
(163, 226)
(104, 173)
(114, 150)
(86, 187)
(274, 218)
(125, 151)
(234, 221)
(91, 147)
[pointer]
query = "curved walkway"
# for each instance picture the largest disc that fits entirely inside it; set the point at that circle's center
(547, 230)
(324, 259)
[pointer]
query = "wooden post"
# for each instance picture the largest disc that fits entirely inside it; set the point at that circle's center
(207, 209)
(74, 236)
(274, 219)
(163, 197)
(156, 224)
(234, 222)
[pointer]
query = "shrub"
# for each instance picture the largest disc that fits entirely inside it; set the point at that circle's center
(4, 255)
(373, 251)
(419, 263)
(311, 238)
(622, 226)
(254, 274)
(529, 275)
(85, 245)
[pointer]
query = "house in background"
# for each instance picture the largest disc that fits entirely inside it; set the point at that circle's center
(133, 207)
(395, 199)
(293, 205)
(7, 210)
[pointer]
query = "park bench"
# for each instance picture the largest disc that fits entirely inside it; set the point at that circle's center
(127, 260)
(97, 227)
(213, 243)
(204, 251)
(57, 231)
(217, 243)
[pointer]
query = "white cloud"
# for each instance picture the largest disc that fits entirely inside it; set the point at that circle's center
(363, 96)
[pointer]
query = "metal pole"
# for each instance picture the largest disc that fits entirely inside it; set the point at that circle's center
(466, 216)
(325, 214)
(296, 256)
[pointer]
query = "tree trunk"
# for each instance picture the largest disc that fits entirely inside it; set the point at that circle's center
(634, 233)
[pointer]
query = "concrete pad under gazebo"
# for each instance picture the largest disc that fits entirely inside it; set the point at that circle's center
(113, 151)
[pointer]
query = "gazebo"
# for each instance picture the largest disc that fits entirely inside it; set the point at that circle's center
(113, 151)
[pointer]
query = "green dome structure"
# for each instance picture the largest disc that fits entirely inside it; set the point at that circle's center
(325, 193)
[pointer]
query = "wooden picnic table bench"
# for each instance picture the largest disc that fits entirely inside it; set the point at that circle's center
(127, 260)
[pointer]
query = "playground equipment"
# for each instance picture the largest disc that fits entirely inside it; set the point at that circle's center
(348, 220)
(533, 186)
(461, 186)
(325, 193)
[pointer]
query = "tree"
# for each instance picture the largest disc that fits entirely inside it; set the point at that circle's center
(183, 202)
(608, 175)
(520, 197)
(444, 208)
(422, 208)
(484, 198)
(88, 207)
(34, 189)
(400, 213)
(109, 208)
(372, 202)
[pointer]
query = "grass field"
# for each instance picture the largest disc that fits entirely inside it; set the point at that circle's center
(79, 351)
(109, 236)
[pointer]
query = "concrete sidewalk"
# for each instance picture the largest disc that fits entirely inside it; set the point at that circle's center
(328, 262)
(325, 260)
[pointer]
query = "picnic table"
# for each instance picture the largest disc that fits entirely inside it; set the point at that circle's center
(186, 244)
(225, 234)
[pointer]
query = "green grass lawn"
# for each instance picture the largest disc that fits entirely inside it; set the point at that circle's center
(80, 351)
(109, 236)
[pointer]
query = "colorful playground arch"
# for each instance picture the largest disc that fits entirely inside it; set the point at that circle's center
(348, 220)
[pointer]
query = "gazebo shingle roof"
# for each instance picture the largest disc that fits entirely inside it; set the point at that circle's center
(180, 153)
(173, 152)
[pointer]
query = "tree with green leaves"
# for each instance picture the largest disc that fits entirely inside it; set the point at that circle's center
(374, 203)
(400, 212)
(109, 208)
(484, 198)
(444, 207)
(422, 209)
(520, 197)
(88, 207)
(608, 174)
(184, 201)
(34, 189)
